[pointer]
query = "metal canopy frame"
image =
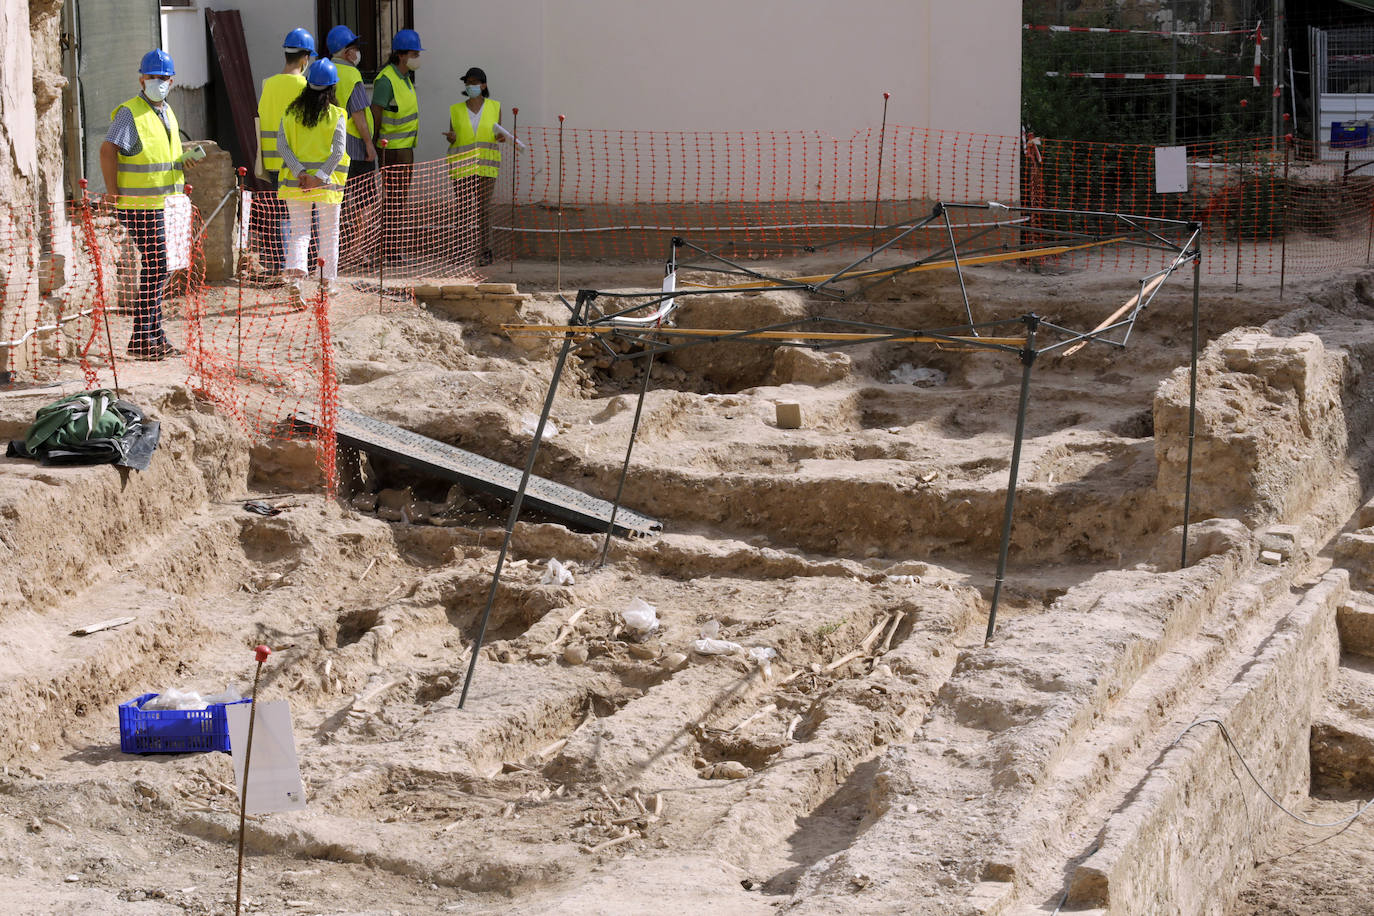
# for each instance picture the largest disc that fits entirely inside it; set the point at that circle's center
(644, 318)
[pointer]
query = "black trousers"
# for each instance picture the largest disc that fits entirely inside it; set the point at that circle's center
(150, 236)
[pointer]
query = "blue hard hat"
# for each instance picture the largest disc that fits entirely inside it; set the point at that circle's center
(157, 62)
(406, 40)
(322, 73)
(339, 37)
(299, 40)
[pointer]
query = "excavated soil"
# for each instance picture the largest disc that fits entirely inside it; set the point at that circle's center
(884, 760)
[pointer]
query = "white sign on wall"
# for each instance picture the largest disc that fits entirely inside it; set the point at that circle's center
(1171, 169)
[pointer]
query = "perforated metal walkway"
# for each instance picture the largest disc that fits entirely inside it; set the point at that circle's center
(483, 475)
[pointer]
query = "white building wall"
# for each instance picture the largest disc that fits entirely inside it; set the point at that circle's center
(711, 65)
(730, 65)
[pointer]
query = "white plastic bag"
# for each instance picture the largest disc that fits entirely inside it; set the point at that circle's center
(925, 377)
(716, 647)
(556, 574)
(640, 616)
(176, 698)
(710, 629)
(529, 423)
(764, 656)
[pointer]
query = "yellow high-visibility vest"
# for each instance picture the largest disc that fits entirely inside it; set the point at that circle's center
(312, 146)
(402, 126)
(474, 153)
(145, 180)
(278, 91)
(348, 78)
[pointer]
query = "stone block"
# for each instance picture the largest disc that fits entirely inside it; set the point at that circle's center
(1285, 540)
(499, 289)
(1364, 517)
(1356, 625)
(796, 365)
(789, 415)
(426, 291)
(459, 290)
(1355, 552)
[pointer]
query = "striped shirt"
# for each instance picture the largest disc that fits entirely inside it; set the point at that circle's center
(356, 101)
(124, 134)
(291, 165)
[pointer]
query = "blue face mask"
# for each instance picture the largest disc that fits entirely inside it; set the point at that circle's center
(473, 91)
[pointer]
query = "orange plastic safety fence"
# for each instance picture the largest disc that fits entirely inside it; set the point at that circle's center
(72, 304)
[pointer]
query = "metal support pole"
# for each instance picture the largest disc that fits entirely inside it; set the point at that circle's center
(88, 228)
(1192, 415)
(558, 280)
(381, 221)
(669, 268)
(238, 271)
(1283, 243)
(1240, 215)
(878, 191)
(625, 468)
(519, 500)
(958, 270)
(1028, 354)
(514, 164)
(260, 653)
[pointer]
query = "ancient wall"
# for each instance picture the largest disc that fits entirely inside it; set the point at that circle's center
(33, 229)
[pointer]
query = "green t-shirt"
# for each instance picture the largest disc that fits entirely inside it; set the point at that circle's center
(382, 94)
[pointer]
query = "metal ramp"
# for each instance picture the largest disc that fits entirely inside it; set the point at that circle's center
(473, 472)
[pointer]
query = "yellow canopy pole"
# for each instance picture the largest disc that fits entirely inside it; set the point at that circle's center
(1112, 318)
(929, 265)
(584, 331)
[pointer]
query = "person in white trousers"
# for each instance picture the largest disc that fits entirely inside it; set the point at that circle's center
(312, 142)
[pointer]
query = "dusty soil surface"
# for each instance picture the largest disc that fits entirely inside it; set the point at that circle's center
(882, 761)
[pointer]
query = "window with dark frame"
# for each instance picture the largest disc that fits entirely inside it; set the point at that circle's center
(375, 21)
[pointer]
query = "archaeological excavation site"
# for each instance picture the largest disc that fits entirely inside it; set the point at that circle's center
(810, 715)
(858, 519)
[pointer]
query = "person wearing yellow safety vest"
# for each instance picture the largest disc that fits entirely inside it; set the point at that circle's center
(278, 91)
(351, 94)
(474, 160)
(312, 139)
(396, 119)
(141, 161)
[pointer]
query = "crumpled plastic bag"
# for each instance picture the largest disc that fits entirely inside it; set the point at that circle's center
(923, 376)
(529, 423)
(640, 616)
(716, 647)
(764, 656)
(177, 698)
(556, 574)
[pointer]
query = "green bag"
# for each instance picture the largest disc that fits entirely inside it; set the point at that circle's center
(75, 420)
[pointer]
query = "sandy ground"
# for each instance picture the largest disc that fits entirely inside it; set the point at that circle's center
(594, 769)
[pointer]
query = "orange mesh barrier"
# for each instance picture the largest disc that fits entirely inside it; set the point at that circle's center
(84, 284)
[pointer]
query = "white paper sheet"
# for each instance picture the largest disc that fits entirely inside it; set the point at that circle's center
(1171, 169)
(274, 774)
(244, 215)
(176, 216)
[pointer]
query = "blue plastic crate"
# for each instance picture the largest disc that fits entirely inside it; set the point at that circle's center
(172, 731)
(1349, 134)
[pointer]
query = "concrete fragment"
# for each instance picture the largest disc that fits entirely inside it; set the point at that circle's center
(802, 366)
(1272, 557)
(728, 769)
(1356, 625)
(1285, 540)
(789, 415)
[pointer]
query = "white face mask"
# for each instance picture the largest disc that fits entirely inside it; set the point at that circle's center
(157, 89)
(473, 91)
(355, 57)
(413, 63)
